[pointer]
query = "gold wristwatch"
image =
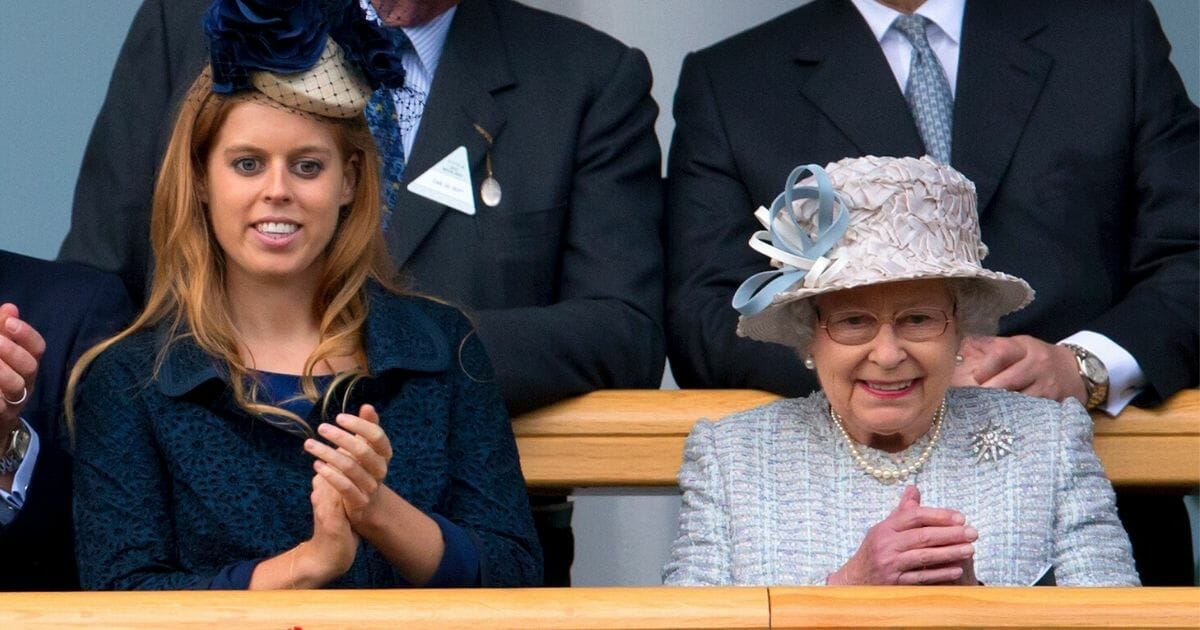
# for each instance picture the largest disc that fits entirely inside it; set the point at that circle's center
(1094, 375)
(14, 450)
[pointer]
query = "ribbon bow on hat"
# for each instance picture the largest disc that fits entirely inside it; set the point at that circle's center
(799, 257)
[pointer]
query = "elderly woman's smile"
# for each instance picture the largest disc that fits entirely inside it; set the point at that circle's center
(887, 386)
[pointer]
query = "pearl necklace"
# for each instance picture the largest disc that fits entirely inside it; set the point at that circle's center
(888, 476)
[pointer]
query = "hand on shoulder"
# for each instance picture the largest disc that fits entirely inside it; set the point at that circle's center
(1021, 364)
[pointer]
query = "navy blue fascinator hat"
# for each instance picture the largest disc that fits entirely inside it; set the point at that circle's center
(322, 57)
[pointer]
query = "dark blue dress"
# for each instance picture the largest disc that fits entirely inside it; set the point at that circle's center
(176, 487)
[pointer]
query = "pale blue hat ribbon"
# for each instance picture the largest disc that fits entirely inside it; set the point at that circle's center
(798, 257)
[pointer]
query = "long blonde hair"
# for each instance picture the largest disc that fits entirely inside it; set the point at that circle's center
(187, 294)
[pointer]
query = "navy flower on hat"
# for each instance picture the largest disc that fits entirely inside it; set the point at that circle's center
(282, 36)
(367, 46)
(289, 36)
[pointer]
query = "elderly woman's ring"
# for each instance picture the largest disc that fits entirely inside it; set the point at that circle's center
(24, 395)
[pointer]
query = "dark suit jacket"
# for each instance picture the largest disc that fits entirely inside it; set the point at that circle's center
(564, 277)
(1068, 117)
(72, 307)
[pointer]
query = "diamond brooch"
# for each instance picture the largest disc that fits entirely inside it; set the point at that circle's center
(991, 443)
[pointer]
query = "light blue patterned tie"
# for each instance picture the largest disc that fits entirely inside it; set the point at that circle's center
(385, 126)
(928, 90)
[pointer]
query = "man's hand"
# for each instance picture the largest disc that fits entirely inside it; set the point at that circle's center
(1021, 364)
(21, 349)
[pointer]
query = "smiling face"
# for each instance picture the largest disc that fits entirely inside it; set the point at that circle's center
(887, 389)
(274, 183)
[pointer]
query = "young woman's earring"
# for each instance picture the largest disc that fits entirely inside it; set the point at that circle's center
(958, 359)
(809, 363)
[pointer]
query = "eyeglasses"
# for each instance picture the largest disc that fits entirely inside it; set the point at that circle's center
(853, 328)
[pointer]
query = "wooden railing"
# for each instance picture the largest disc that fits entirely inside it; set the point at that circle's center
(615, 438)
(583, 608)
(986, 607)
(635, 438)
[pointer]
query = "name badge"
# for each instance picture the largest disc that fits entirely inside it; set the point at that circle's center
(448, 182)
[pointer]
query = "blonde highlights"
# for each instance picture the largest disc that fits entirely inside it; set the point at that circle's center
(187, 295)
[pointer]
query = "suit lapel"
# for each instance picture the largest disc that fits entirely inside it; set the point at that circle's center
(1000, 77)
(472, 67)
(847, 77)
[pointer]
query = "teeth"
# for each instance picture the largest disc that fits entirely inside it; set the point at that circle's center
(276, 229)
(891, 387)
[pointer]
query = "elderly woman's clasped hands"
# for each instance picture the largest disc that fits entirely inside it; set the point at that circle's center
(913, 545)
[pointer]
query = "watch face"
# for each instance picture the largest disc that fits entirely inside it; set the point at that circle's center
(19, 443)
(1094, 369)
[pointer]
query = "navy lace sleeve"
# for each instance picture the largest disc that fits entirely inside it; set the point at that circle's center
(460, 561)
(488, 496)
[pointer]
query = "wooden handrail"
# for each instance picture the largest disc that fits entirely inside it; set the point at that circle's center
(614, 438)
(616, 607)
(478, 609)
(1157, 447)
(988, 607)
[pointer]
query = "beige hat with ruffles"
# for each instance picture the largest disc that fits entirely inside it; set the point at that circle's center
(867, 220)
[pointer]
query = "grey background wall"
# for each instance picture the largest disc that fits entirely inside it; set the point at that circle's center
(55, 60)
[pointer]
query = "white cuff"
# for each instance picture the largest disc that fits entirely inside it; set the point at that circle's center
(11, 502)
(1125, 377)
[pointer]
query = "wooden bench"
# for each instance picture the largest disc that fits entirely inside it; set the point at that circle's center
(617, 438)
(617, 607)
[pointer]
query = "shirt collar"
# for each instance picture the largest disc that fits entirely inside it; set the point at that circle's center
(946, 14)
(398, 335)
(427, 39)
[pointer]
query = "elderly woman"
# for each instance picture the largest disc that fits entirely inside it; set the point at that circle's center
(281, 415)
(888, 475)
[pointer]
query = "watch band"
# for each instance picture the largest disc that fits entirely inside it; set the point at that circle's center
(1097, 389)
(9, 464)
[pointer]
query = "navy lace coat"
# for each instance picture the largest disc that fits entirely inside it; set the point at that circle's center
(174, 484)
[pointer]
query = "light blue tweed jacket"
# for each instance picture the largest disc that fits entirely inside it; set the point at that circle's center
(771, 495)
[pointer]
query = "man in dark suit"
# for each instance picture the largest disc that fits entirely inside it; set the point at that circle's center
(1081, 141)
(50, 314)
(563, 273)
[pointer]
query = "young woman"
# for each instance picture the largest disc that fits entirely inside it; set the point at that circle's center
(280, 415)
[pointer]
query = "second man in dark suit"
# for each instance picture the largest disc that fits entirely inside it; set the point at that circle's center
(50, 314)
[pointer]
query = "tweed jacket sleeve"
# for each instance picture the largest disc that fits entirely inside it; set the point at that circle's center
(1090, 545)
(700, 554)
